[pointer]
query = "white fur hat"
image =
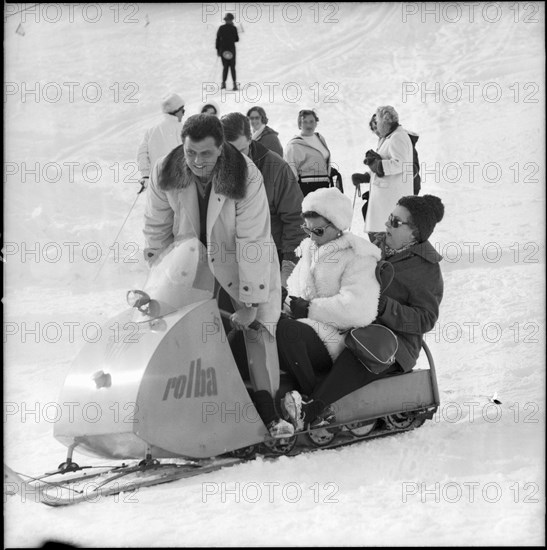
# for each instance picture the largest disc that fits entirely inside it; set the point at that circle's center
(332, 204)
(171, 103)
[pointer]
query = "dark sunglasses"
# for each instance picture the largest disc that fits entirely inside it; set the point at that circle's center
(396, 222)
(317, 231)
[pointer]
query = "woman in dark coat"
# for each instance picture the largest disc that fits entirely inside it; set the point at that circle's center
(409, 307)
(267, 137)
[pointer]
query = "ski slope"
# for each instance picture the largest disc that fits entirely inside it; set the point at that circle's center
(80, 89)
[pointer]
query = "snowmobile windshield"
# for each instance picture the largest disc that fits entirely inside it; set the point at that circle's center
(181, 276)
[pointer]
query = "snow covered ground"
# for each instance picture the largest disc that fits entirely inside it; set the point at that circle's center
(82, 85)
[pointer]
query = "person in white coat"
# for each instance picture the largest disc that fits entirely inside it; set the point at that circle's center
(332, 288)
(392, 169)
(207, 189)
(161, 139)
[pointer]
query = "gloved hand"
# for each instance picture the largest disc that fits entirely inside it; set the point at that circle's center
(358, 179)
(244, 318)
(286, 269)
(371, 156)
(299, 307)
(377, 167)
(144, 183)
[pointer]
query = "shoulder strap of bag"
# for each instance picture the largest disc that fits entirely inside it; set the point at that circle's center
(385, 272)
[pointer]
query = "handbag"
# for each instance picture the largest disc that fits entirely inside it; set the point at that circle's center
(374, 346)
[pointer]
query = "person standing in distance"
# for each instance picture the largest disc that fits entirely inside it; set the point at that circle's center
(161, 139)
(226, 48)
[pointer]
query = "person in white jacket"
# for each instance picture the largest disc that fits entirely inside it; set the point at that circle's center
(308, 154)
(332, 288)
(392, 169)
(161, 139)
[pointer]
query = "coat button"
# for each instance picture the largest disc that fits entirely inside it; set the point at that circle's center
(261, 287)
(245, 288)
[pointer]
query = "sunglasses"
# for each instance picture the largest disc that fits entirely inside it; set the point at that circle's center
(317, 231)
(396, 222)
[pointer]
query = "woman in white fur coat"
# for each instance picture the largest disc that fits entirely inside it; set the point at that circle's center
(332, 288)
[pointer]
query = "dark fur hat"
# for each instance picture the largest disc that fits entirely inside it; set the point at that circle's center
(425, 212)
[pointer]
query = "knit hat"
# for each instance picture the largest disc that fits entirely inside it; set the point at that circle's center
(425, 213)
(332, 204)
(171, 103)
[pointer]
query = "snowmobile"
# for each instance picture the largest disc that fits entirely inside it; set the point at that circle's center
(162, 383)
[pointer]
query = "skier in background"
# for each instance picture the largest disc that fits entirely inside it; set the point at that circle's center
(226, 48)
(161, 139)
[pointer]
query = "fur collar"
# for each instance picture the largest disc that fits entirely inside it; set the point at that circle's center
(359, 246)
(229, 175)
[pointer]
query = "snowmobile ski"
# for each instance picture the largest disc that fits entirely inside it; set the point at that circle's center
(66, 488)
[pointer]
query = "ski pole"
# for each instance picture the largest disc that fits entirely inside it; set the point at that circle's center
(355, 195)
(123, 224)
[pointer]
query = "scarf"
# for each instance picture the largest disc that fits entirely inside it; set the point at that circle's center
(258, 132)
(387, 251)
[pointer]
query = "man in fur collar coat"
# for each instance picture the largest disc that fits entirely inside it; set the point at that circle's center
(208, 189)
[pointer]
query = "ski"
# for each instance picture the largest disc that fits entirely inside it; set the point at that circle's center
(66, 491)
(65, 488)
